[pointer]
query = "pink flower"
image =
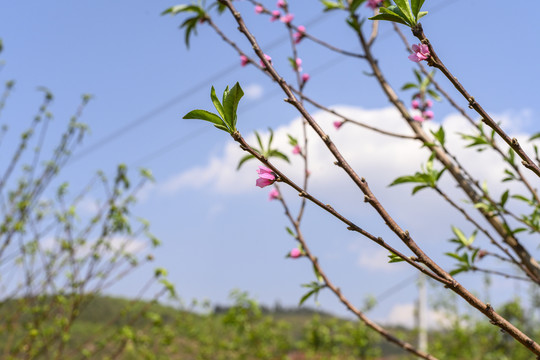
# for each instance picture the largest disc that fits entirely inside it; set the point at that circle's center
(281, 4)
(266, 177)
(296, 149)
(337, 124)
(298, 62)
(259, 9)
(298, 36)
(286, 19)
(420, 52)
(415, 104)
(268, 58)
(273, 195)
(275, 15)
(428, 114)
(244, 60)
(429, 103)
(373, 4)
(295, 253)
(305, 77)
(418, 118)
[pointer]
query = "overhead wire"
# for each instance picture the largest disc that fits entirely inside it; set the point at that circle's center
(185, 138)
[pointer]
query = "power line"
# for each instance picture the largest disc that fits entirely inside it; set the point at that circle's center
(179, 98)
(173, 101)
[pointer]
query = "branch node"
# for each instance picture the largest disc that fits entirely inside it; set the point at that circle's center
(515, 142)
(350, 228)
(367, 198)
(302, 194)
(325, 138)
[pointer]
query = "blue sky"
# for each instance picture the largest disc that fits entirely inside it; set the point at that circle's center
(144, 80)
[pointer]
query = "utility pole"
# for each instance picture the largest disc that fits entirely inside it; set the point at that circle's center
(422, 314)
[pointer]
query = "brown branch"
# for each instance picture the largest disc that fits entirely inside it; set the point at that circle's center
(436, 62)
(486, 309)
(328, 283)
(311, 37)
(328, 208)
(528, 260)
(463, 113)
(525, 257)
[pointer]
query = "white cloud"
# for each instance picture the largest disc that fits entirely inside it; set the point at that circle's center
(404, 315)
(253, 91)
(377, 157)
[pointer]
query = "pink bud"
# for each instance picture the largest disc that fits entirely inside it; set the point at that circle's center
(337, 124)
(268, 58)
(420, 52)
(305, 77)
(298, 62)
(266, 177)
(429, 103)
(295, 253)
(244, 60)
(259, 9)
(428, 114)
(286, 19)
(301, 29)
(296, 149)
(281, 4)
(275, 15)
(273, 195)
(418, 118)
(415, 104)
(373, 4)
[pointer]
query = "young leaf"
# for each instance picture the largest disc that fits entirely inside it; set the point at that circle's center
(416, 5)
(230, 105)
(243, 160)
(207, 116)
(216, 103)
(388, 16)
(405, 8)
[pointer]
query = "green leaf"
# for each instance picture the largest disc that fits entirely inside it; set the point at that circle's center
(292, 140)
(388, 17)
(461, 237)
(355, 4)
(433, 94)
(418, 188)
(332, 5)
(439, 135)
(243, 160)
(457, 271)
(290, 232)
(216, 103)
(535, 136)
(416, 5)
(406, 11)
(230, 105)
(207, 116)
(317, 275)
(421, 14)
(278, 154)
(408, 86)
(504, 198)
(394, 258)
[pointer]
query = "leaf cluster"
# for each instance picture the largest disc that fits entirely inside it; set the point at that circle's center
(403, 12)
(266, 151)
(226, 120)
(426, 178)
